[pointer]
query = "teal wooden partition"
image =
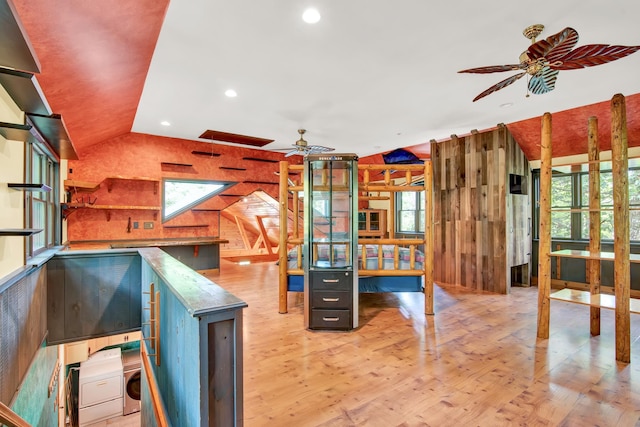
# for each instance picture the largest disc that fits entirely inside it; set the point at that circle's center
(192, 331)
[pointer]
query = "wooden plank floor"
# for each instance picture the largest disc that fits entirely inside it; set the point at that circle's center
(476, 362)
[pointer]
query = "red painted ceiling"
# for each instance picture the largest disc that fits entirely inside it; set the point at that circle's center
(95, 56)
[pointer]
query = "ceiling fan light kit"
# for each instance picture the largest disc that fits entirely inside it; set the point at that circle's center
(544, 59)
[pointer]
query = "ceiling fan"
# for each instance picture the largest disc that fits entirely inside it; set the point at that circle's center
(544, 59)
(303, 148)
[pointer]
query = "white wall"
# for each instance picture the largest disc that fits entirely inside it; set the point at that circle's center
(12, 248)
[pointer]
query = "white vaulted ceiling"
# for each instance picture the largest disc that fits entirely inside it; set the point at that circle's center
(369, 77)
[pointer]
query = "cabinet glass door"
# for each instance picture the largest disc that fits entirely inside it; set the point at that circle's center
(330, 224)
(374, 221)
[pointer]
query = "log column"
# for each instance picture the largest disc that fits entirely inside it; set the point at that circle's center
(594, 221)
(428, 233)
(621, 266)
(284, 229)
(544, 250)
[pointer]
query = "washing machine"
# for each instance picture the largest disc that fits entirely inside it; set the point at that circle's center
(100, 387)
(131, 374)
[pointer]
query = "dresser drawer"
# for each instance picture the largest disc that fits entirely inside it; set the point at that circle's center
(330, 319)
(333, 280)
(330, 299)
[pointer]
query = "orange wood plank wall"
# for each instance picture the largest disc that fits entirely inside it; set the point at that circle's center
(146, 156)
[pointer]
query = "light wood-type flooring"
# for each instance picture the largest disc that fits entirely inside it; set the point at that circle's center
(476, 362)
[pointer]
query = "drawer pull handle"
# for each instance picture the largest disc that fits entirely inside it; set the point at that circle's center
(330, 280)
(330, 319)
(325, 299)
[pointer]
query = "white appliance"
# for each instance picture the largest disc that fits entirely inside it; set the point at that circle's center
(131, 367)
(100, 394)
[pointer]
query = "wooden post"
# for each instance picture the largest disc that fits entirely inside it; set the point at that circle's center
(392, 212)
(284, 229)
(544, 257)
(428, 234)
(594, 221)
(621, 264)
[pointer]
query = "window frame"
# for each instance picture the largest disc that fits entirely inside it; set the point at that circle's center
(225, 186)
(37, 155)
(578, 209)
(418, 214)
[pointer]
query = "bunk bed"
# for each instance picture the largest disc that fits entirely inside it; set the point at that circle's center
(388, 264)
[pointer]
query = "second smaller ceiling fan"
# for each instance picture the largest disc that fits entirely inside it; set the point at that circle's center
(303, 148)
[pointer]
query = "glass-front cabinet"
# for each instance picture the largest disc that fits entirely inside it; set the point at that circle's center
(331, 241)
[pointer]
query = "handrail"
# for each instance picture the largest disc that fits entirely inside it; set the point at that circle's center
(10, 418)
(159, 409)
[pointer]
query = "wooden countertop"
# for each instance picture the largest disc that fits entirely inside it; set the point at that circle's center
(150, 243)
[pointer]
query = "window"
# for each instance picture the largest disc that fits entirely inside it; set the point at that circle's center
(562, 200)
(40, 206)
(606, 204)
(179, 195)
(570, 191)
(410, 211)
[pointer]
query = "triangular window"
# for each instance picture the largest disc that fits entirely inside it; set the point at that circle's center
(180, 195)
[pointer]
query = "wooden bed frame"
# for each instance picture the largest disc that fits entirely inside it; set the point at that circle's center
(375, 280)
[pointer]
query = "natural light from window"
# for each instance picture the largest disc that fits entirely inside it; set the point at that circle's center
(181, 195)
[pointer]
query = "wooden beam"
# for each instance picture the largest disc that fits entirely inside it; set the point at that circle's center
(428, 234)
(243, 232)
(594, 220)
(265, 236)
(284, 227)
(621, 264)
(544, 258)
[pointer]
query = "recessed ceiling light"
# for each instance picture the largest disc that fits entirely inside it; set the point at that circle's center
(165, 123)
(311, 16)
(230, 93)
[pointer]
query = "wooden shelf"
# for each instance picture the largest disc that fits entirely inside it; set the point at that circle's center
(598, 300)
(186, 226)
(68, 207)
(114, 207)
(602, 256)
(260, 182)
(258, 159)
(576, 210)
(110, 180)
(29, 187)
(232, 168)
(80, 186)
(205, 153)
(19, 231)
(184, 165)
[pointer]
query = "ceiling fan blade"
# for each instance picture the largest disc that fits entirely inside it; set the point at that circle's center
(544, 81)
(493, 69)
(591, 55)
(314, 149)
(555, 46)
(504, 83)
(292, 152)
